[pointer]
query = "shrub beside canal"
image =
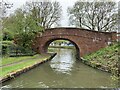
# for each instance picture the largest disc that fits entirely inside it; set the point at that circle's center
(105, 59)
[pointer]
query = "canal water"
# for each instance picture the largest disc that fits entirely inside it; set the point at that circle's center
(63, 71)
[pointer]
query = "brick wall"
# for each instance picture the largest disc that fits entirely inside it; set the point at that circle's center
(85, 41)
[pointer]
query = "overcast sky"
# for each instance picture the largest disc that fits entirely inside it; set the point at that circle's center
(64, 3)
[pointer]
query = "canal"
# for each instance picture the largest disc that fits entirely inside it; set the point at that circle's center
(63, 71)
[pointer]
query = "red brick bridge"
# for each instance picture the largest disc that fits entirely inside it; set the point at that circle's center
(85, 41)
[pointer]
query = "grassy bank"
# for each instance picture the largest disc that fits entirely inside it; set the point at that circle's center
(105, 59)
(9, 60)
(13, 64)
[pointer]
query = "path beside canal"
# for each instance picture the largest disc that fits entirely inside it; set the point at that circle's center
(12, 66)
(22, 60)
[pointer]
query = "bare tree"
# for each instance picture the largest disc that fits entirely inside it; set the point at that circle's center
(100, 16)
(46, 14)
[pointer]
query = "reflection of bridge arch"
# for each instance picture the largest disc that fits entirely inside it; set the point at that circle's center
(85, 41)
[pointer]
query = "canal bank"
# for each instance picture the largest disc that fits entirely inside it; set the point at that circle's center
(105, 59)
(63, 71)
(15, 73)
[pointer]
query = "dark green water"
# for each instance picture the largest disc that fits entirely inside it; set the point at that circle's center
(63, 71)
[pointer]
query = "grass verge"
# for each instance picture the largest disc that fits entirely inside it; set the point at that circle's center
(105, 59)
(23, 64)
(9, 60)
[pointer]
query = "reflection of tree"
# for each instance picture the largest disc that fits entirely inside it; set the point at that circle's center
(58, 52)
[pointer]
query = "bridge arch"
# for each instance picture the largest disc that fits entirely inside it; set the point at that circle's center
(85, 41)
(73, 42)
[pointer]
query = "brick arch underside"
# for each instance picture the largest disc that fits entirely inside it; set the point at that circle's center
(83, 45)
(53, 39)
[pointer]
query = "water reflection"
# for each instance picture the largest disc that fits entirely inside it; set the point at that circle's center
(61, 65)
